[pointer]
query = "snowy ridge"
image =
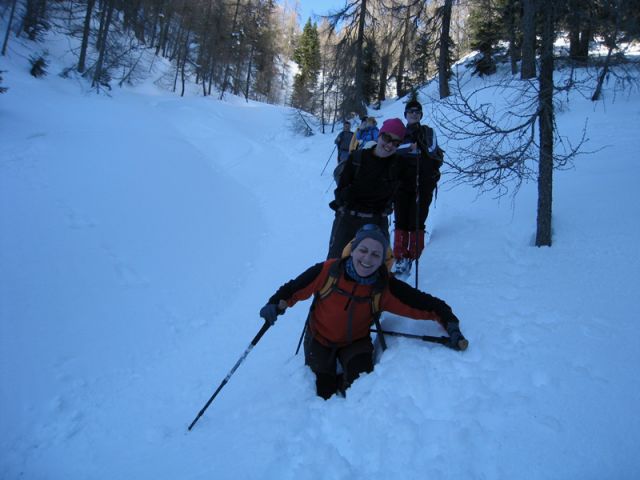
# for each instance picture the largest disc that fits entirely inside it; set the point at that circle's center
(141, 233)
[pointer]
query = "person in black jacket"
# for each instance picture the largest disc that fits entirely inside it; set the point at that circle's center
(366, 187)
(341, 315)
(422, 161)
(343, 140)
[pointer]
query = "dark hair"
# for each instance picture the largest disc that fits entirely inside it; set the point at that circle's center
(413, 104)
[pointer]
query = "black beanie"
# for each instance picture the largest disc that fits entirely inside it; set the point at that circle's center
(371, 231)
(413, 104)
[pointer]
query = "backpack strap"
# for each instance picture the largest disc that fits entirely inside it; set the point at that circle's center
(332, 279)
(325, 290)
(356, 161)
(375, 306)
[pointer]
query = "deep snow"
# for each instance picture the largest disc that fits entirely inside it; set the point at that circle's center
(140, 233)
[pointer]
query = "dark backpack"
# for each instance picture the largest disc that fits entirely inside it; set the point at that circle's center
(356, 159)
(438, 154)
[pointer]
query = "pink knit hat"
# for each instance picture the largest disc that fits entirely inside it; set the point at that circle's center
(395, 127)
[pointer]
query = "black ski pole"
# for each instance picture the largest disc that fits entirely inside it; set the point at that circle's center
(325, 165)
(329, 187)
(253, 343)
(462, 344)
(417, 215)
(304, 330)
(423, 151)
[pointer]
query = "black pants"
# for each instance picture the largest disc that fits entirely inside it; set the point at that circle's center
(355, 358)
(345, 227)
(405, 207)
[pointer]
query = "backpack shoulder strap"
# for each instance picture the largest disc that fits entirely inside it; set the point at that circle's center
(356, 161)
(427, 135)
(375, 306)
(376, 293)
(332, 279)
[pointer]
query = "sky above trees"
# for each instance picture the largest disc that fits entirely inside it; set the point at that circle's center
(317, 7)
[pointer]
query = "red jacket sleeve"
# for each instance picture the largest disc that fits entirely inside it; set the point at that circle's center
(402, 299)
(303, 286)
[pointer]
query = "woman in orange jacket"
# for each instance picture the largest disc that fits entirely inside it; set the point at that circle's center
(349, 294)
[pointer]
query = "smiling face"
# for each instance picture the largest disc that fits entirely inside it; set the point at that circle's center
(387, 145)
(367, 257)
(413, 115)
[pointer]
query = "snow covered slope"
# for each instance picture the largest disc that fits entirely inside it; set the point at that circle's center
(141, 233)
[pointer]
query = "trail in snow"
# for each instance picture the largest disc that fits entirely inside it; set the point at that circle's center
(140, 234)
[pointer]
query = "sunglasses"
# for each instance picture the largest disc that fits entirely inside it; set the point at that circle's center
(413, 110)
(389, 139)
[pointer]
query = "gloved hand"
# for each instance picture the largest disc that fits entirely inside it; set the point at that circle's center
(270, 313)
(456, 339)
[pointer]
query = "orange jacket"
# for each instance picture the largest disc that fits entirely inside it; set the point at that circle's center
(345, 314)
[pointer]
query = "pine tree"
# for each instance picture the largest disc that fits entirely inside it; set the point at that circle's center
(371, 71)
(307, 56)
(485, 31)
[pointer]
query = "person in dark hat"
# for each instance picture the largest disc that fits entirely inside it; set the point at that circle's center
(422, 160)
(366, 187)
(349, 295)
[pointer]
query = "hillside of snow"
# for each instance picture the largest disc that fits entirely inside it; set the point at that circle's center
(140, 233)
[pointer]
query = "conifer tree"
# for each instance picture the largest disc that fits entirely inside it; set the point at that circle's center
(485, 31)
(307, 56)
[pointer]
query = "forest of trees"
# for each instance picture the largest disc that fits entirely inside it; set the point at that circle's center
(350, 58)
(340, 64)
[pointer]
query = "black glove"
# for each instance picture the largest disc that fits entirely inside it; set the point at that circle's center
(270, 313)
(456, 339)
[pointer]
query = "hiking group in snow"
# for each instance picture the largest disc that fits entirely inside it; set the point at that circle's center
(391, 171)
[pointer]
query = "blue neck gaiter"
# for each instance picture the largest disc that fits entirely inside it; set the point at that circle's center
(351, 271)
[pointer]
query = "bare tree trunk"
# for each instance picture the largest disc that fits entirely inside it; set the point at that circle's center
(6, 36)
(545, 175)
(384, 73)
(400, 90)
(212, 70)
(227, 68)
(443, 61)
(248, 82)
(335, 113)
(165, 24)
(359, 80)
(514, 51)
(103, 44)
(103, 19)
(323, 95)
(178, 52)
(32, 21)
(611, 40)
(528, 39)
(154, 30)
(85, 36)
(185, 55)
